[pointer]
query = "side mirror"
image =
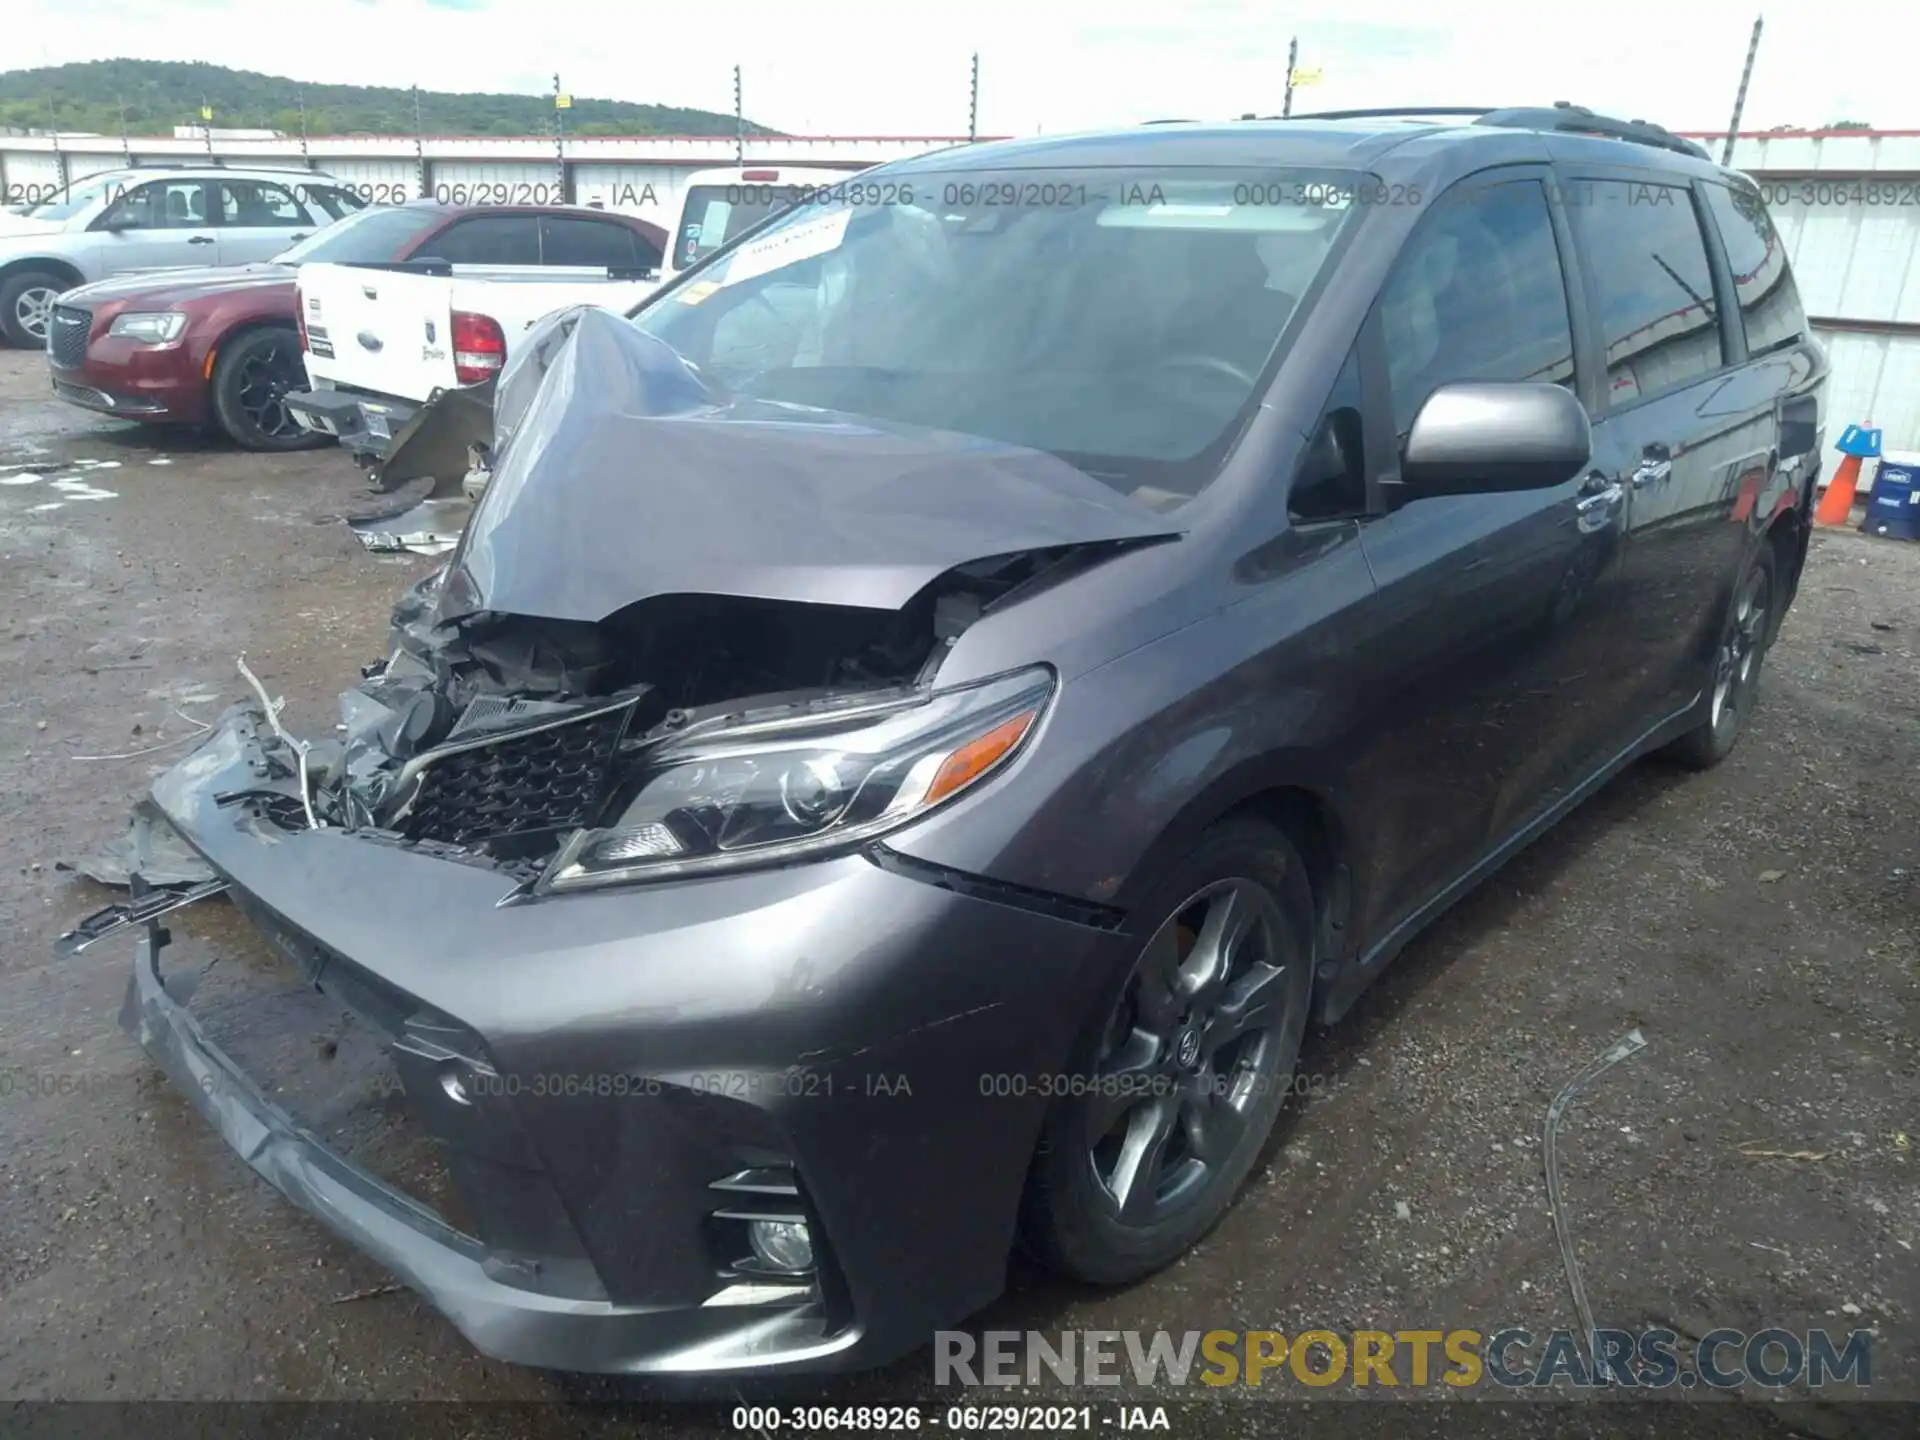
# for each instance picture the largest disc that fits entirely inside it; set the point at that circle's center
(1479, 437)
(114, 221)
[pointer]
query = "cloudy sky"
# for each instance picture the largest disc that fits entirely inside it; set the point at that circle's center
(863, 67)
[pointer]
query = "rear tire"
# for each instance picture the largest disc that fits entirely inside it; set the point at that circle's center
(1185, 1074)
(251, 379)
(1738, 657)
(26, 302)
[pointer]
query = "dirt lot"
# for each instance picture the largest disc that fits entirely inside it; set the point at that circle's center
(1758, 924)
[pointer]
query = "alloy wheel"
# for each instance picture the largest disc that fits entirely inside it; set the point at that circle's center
(261, 388)
(1193, 1045)
(1739, 654)
(33, 310)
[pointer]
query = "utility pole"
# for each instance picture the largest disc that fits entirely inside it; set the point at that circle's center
(300, 99)
(1740, 100)
(1293, 59)
(126, 150)
(419, 146)
(561, 103)
(973, 104)
(59, 160)
(739, 122)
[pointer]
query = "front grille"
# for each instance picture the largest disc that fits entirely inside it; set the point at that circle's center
(520, 786)
(67, 336)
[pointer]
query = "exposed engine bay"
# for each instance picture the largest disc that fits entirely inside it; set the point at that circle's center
(498, 735)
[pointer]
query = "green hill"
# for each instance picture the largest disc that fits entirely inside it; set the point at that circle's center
(160, 94)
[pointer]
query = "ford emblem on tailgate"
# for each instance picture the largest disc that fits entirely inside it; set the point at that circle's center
(368, 340)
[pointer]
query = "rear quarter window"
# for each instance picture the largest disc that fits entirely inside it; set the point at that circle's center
(1770, 307)
(1648, 258)
(487, 240)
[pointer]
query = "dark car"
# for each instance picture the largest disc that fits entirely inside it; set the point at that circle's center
(222, 346)
(926, 713)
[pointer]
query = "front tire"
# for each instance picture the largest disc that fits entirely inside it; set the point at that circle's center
(26, 307)
(1184, 1076)
(1737, 660)
(251, 380)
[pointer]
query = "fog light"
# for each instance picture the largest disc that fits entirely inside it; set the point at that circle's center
(782, 1245)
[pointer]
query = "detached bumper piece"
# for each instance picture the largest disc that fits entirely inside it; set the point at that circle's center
(365, 426)
(499, 1255)
(142, 910)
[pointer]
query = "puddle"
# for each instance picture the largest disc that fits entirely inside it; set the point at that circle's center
(52, 505)
(77, 489)
(26, 477)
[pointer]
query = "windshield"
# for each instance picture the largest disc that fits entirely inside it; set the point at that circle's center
(72, 200)
(1119, 320)
(380, 232)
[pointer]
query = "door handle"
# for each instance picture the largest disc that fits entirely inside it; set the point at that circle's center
(296, 239)
(1653, 470)
(199, 240)
(1599, 497)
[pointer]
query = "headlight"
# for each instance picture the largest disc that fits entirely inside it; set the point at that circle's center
(769, 792)
(156, 327)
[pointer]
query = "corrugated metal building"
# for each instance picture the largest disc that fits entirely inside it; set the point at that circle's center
(1847, 204)
(640, 174)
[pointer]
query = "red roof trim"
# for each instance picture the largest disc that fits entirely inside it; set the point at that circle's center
(80, 142)
(1801, 134)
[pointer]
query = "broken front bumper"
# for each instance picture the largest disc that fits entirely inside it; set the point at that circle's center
(601, 1070)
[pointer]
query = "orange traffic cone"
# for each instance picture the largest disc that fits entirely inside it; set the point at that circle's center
(1856, 443)
(1837, 504)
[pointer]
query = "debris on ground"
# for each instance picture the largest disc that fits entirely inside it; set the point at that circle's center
(150, 847)
(1626, 1045)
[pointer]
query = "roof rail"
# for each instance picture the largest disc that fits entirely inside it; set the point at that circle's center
(1561, 117)
(1404, 112)
(1567, 118)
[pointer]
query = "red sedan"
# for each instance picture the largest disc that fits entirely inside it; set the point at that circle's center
(221, 347)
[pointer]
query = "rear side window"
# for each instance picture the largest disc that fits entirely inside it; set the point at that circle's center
(714, 214)
(568, 240)
(335, 202)
(486, 240)
(1769, 301)
(1649, 263)
(1478, 294)
(255, 204)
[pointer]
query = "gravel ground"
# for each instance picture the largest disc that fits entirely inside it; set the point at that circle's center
(1753, 1166)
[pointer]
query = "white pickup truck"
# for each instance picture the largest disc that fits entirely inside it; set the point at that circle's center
(383, 340)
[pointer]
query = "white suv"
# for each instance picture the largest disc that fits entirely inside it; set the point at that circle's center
(123, 221)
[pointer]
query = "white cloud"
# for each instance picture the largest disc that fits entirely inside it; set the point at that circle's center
(838, 66)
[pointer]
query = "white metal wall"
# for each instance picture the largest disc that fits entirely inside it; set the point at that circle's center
(1853, 262)
(649, 191)
(1876, 380)
(493, 182)
(30, 177)
(380, 179)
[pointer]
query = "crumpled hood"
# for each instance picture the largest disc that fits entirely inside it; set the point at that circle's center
(172, 287)
(628, 476)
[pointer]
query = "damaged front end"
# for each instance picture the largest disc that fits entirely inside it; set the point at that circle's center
(683, 734)
(685, 631)
(684, 637)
